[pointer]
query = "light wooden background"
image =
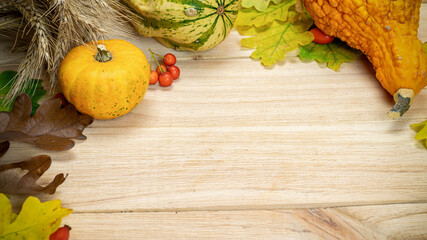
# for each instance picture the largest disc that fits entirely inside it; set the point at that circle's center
(235, 150)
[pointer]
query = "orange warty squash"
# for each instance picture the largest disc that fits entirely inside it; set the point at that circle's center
(386, 32)
(104, 79)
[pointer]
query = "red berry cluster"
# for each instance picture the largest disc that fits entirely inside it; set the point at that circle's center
(165, 73)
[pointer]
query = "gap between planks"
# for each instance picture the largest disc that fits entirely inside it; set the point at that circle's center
(248, 209)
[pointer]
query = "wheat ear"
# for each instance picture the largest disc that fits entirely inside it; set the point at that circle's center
(7, 7)
(9, 25)
(39, 48)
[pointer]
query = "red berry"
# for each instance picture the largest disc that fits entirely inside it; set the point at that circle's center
(164, 68)
(63, 233)
(62, 97)
(169, 59)
(320, 37)
(165, 79)
(174, 70)
(154, 76)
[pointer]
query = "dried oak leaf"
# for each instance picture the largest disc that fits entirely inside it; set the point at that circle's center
(21, 177)
(51, 127)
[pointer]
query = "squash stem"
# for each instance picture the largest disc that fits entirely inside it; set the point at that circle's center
(102, 54)
(155, 53)
(403, 98)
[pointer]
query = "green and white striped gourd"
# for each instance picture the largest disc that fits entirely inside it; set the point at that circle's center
(194, 25)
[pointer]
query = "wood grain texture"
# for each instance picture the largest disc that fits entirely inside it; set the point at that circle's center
(249, 142)
(235, 150)
(231, 134)
(405, 221)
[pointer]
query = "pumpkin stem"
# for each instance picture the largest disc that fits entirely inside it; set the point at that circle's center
(102, 55)
(403, 98)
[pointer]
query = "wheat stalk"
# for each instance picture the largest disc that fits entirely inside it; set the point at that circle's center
(9, 25)
(65, 35)
(7, 7)
(38, 51)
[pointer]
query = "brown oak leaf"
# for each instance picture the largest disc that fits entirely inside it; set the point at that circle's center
(52, 127)
(21, 177)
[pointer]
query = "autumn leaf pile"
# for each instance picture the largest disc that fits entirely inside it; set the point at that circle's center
(279, 26)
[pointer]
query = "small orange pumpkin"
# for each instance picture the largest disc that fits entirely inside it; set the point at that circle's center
(104, 79)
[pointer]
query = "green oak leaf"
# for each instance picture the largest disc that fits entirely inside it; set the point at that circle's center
(35, 90)
(274, 42)
(35, 221)
(334, 53)
(259, 5)
(421, 128)
(253, 17)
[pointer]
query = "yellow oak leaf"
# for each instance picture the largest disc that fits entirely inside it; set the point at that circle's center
(35, 221)
(251, 16)
(5, 213)
(251, 30)
(421, 128)
(259, 5)
(273, 43)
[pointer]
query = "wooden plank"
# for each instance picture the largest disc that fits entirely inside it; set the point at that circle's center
(232, 135)
(292, 137)
(402, 221)
(372, 222)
